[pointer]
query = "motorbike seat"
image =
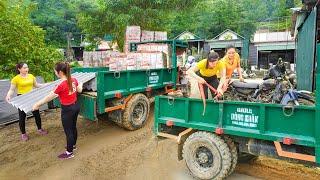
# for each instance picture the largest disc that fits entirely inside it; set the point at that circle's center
(269, 82)
(247, 85)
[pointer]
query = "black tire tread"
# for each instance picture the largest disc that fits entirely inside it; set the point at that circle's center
(126, 123)
(303, 101)
(220, 144)
(234, 153)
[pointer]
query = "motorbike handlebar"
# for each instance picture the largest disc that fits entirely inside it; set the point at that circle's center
(265, 78)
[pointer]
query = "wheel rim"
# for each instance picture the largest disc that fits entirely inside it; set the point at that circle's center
(204, 157)
(138, 113)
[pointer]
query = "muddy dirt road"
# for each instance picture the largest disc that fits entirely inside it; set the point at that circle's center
(106, 151)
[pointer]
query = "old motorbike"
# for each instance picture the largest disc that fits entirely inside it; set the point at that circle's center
(277, 87)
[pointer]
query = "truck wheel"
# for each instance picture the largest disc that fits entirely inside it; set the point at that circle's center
(234, 153)
(207, 156)
(136, 113)
(246, 157)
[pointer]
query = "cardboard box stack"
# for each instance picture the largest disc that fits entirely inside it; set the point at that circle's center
(152, 60)
(133, 61)
(98, 58)
(148, 56)
(109, 55)
(158, 60)
(133, 34)
(147, 36)
(91, 59)
(139, 60)
(154, 47)
(85, 59)
(118, 63)
(158, 35)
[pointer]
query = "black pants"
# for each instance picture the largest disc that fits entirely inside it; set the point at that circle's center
(22, 119)
(69, 115)
(213, 81)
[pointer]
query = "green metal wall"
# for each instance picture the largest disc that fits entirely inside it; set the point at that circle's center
(306, 53)
(245, 50)
(243, 119)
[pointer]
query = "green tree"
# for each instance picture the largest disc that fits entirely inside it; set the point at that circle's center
(208, 18)
(195, 19)
(20, 40)
(2, 5)
(57, 17)
(112, 17)
(278, 15)
(252, 11)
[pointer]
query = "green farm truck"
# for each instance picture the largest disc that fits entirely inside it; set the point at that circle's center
(211, 143)
(125, 96)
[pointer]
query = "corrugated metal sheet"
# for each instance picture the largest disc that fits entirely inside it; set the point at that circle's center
(8, 113)
(272, 37)
(276, 46)
(306, 53)
(26, 101)
(223, 44)
(245, 50)
(300, 20)
(253, 55)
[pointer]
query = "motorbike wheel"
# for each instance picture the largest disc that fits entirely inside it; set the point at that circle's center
(306, 102)
(303, 101)
(227, 96)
